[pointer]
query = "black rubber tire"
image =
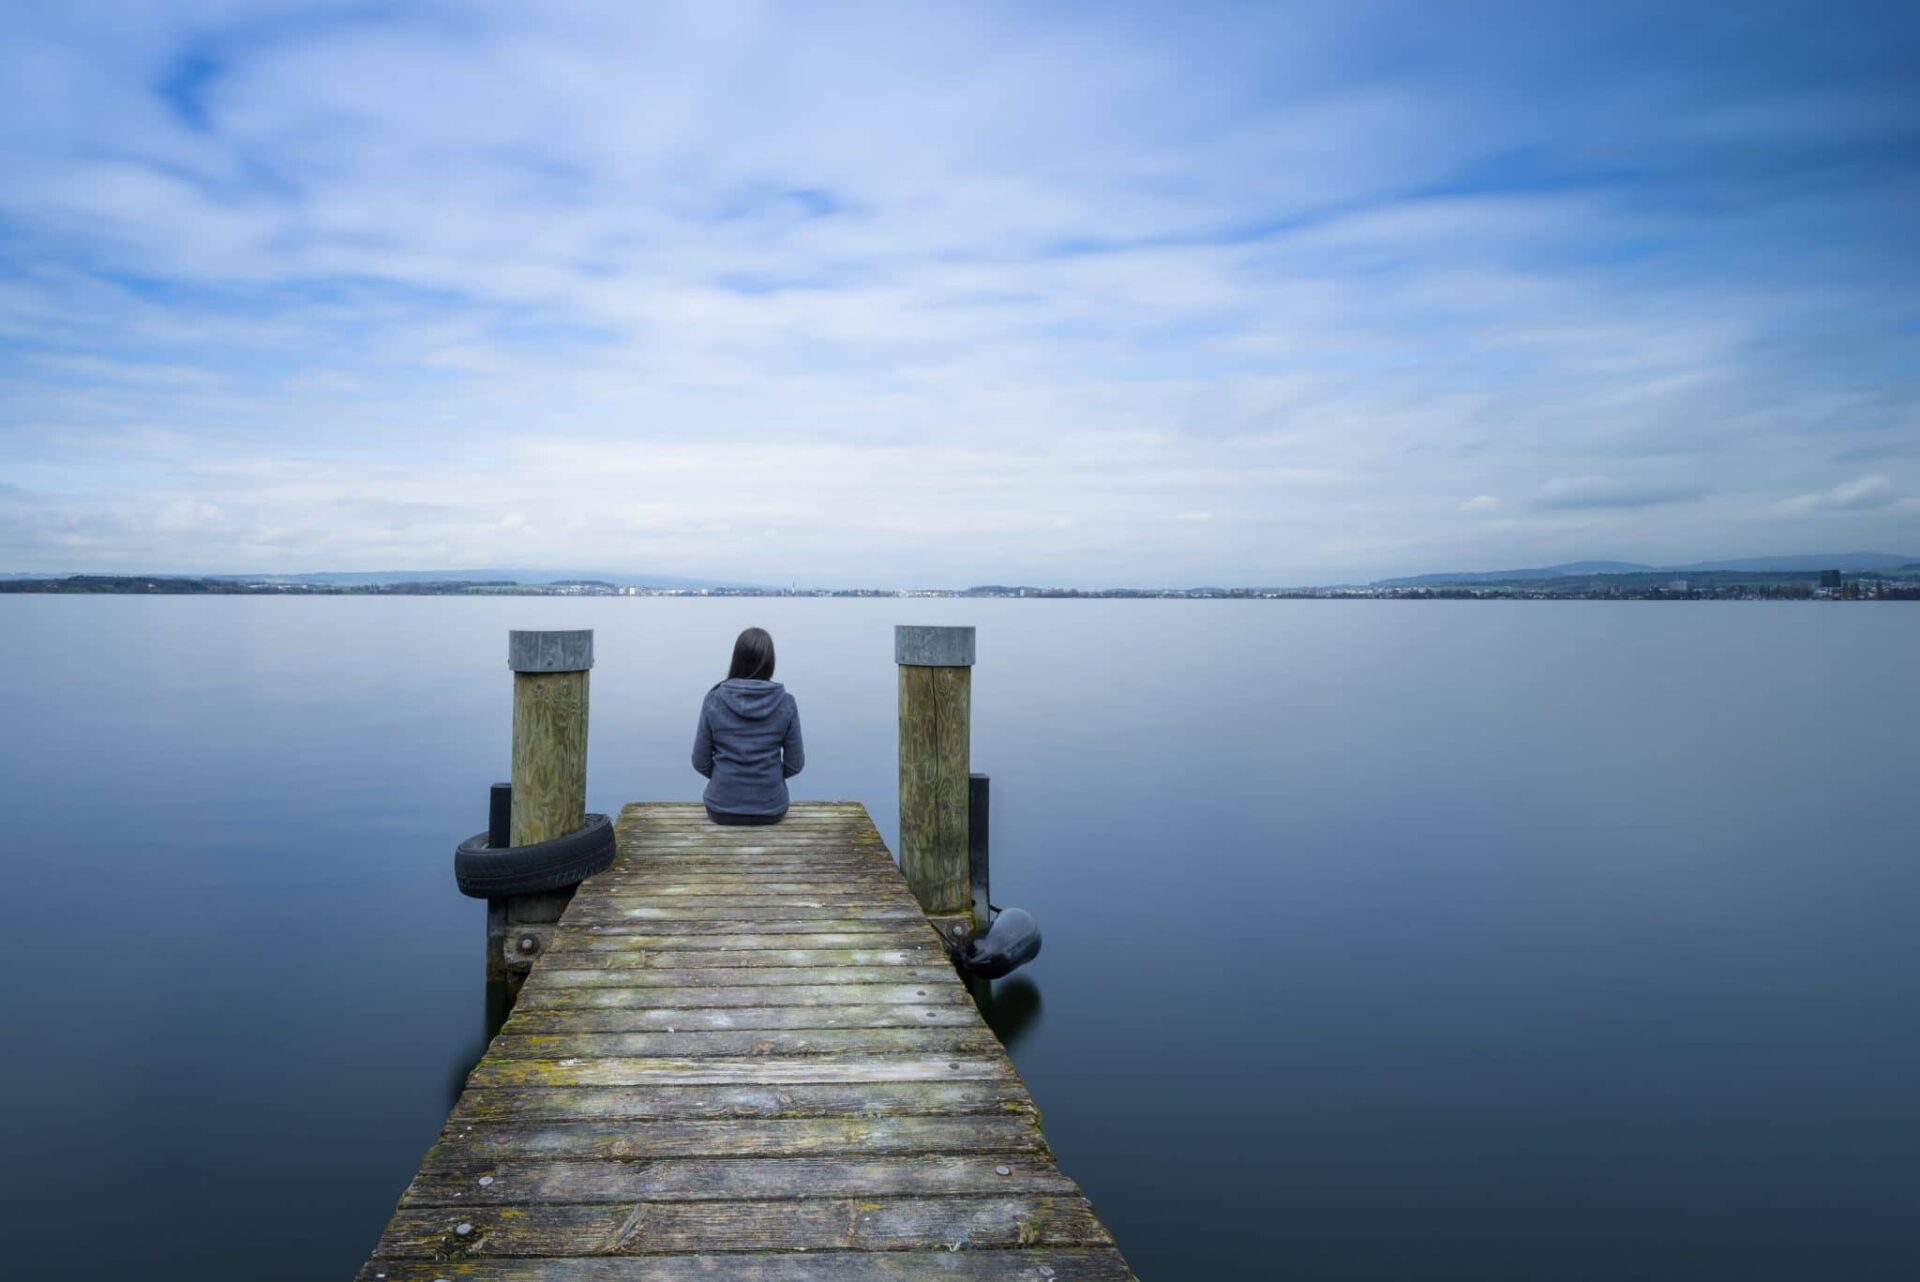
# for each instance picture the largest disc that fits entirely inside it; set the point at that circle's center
(489, 872)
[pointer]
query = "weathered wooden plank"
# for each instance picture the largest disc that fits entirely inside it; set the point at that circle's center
(855, 834)
(701, 862)
(824, 960)
(797, 837)
(641, 906)
(772, 1070)
(893, 1224)
(756, 899)
(754, 876)
(806, 816)
(573, 1041)
(906, 937)
(1042, 1264)
(649, 815)
(665, 849)
(781, 839)
(802, 816)
(757, 924)
(767, 976)
(799, 860)
(538, 997)
(663, 854)
(768, 834)
(463, 1143)
(795, 822)
(874, 893)
(661, 866)
(827, 853)
(759, 883)
(799, 1099)
(656, 852)
(862, 885)
(652, 812)
(662, 812)
(743, 1020)
(598, 909)
(699, 1179)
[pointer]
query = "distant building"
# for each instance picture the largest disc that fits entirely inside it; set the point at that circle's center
(1678, 586)
(1829, 578)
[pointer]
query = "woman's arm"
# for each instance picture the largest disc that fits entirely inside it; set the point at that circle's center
(703, 746)
(793, 753)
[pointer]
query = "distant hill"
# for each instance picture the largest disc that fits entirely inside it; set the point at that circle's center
(1790, 564)
(1818, 561)
(1572, 569)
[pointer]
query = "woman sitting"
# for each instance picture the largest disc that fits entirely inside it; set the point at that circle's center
(748, 744)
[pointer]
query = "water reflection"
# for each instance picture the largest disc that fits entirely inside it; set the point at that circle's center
(499, 1005)
(1011, 1006)
(464, 1060)
(1537, 941)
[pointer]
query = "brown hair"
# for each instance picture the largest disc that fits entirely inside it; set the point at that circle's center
(752, 656)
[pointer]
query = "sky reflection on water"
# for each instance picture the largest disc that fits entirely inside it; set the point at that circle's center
(1382, 939)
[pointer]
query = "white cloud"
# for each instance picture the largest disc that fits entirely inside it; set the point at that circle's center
(1574, 492)
(883, 294)
(1859, 495)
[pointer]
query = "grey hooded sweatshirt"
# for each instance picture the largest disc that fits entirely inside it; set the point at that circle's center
(748, 746)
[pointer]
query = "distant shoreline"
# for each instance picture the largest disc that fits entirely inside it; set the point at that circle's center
(1724, 585)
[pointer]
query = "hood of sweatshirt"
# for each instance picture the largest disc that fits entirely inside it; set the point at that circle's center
(749, 699)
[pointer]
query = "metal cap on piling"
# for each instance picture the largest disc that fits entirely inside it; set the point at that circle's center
(923, 646)
(550, 651)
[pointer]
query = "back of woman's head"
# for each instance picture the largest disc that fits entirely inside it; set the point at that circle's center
(752, 656)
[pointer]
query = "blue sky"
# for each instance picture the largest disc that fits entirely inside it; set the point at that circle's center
(897, 294)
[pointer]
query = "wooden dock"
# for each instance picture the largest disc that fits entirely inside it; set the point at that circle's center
(743, 1054)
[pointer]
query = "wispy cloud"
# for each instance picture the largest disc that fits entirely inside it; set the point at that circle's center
(1862, 494)
(741, 290)
(1577, 492)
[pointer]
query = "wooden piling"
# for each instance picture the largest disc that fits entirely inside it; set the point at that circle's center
(936, 698)
(549, 733)
(549, 786)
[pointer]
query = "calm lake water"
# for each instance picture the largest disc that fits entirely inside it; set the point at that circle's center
(1383, 939)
